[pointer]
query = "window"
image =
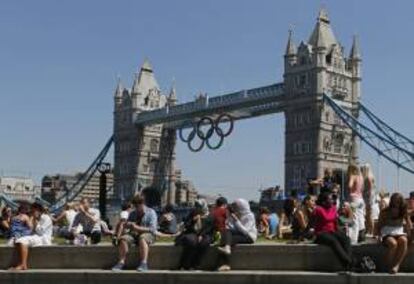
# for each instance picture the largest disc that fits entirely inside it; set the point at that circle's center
(153, 165)
(154, 145)
(145, 168)
(302, 60)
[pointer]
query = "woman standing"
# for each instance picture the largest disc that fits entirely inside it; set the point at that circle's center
(355, 186)
(240, 229)
(391, 231)
(368, 195)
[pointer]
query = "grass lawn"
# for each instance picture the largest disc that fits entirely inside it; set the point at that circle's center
(106, 239)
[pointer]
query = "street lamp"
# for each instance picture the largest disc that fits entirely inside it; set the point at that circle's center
(103, 168)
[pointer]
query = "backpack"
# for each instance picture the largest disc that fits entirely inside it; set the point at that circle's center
(367, 265)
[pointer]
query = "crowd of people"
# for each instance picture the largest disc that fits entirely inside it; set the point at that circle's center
(321, 217)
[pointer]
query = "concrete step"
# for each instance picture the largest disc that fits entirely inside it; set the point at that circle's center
(179, 277)
(297, 257)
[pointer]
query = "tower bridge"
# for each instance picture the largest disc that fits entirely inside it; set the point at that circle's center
(146, 121)
(319, 96)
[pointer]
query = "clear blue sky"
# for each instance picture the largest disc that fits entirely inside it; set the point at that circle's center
(59, 61)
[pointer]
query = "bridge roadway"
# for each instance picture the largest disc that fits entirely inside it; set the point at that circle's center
(259, 263)
(240, 105)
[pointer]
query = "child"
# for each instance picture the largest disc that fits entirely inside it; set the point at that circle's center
(268, 223)
(121, 228)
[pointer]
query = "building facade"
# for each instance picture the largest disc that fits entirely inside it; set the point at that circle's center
(55, 186)
(316, 138)
(19, 188)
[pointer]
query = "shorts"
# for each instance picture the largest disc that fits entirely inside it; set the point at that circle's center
(33, 241)
(134, 239)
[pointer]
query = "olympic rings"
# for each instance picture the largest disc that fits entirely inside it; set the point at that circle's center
(204, 136)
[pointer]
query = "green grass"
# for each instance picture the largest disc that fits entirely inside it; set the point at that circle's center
(106, 239)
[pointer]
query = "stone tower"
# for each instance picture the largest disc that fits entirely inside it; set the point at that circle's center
(144, 157)
(316, 138)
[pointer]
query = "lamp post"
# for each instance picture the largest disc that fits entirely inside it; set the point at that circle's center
(103, 168)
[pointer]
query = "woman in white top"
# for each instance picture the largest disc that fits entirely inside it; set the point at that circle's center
(240, 229)
(42, 235)
(68, 216)
(392, 221)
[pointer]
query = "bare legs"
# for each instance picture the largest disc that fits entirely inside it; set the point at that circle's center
(143, 250)
(123, 250)
(142, 247)
(396, 251)
(23, 253)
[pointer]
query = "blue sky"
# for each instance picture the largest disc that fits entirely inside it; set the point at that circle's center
(59, 61)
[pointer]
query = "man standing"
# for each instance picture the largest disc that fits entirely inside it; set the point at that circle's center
(142, 225)
(90, 221)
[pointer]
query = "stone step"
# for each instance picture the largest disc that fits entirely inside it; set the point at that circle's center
(191, 277)
(299, 257)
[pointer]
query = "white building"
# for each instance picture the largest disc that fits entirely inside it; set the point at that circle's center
(19, 188)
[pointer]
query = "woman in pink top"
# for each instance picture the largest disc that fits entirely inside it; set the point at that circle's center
(324, 218)
(355, 187)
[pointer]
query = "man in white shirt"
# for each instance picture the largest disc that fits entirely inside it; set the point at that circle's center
(42, 235)
(90, 220)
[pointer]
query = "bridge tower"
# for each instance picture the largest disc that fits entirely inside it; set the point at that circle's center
(315, 138)
(144, 157)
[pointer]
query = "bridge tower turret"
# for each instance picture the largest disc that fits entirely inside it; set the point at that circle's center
(139, 161)
(316, 139)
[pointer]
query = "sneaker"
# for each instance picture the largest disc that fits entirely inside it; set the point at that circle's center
(118, 267)
(224, 268)
(225, 250)
(142, 267)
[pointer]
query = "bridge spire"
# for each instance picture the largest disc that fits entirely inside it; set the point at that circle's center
(290, 47)
(172, 97)
(119, 88)
(322, 35)
(144, 80)
(355, 53)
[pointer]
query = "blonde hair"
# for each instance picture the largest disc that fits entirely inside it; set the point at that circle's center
(69, 206)
(366, 172)
(353, 170)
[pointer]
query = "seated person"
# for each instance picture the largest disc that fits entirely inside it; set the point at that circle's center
(67, 216)
(391, 231)
(21, 225)
(120, 228)
(268, 223)
(5, 222)
(168, 221)
(42, 236)
(219, 214)
(345, 218)
(196, 237)
(304, 228)
(142, 226)
(324, 220)
(240, 229)
(87, 224)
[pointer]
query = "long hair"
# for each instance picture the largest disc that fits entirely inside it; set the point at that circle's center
(289, 206)
(398, 198)
(367, 173)
(353, 170)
